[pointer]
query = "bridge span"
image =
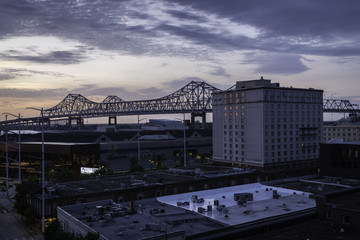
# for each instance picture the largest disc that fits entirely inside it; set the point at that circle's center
(194, 98)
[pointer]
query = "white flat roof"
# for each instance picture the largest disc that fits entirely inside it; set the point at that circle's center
(262, 206)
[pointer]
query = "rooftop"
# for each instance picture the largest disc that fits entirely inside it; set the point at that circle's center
(114, 182)
(221, 205)
(180, 213)
(346, 199)
(115, 221)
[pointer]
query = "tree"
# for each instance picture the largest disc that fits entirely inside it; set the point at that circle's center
(21, 197)
(54, 231)
(134, 166)
(159, 161)
(104, 171)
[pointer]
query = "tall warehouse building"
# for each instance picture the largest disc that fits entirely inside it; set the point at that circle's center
(258, 123)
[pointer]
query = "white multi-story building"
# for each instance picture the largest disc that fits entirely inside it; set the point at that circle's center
(347, 131)
(258, 123)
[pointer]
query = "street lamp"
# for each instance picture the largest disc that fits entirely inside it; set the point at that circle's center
(19, 141)
(43, 169)
(184, 138)
(138, 139)
(7, 157)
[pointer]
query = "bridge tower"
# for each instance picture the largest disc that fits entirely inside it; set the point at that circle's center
(112, 120)
(197, 114)
(79, 121)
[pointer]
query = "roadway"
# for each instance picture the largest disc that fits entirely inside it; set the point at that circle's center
(11, 226)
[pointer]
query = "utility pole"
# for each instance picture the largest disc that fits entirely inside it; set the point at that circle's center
(184, 138)
(42, 169)
(19, 141)
(7, 157)
(138, 140)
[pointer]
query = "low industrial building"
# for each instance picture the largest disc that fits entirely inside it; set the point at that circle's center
(340, 159)
(341, 208)
(136, 186)
(116, 150)
(210, 214)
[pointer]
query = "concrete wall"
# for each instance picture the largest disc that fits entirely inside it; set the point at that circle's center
(72, 225)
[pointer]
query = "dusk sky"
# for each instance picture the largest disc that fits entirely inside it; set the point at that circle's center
(143, 49)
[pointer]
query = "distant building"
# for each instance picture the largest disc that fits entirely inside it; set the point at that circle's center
(259, 123)
(340, 159)
(346, 130)
(341, 208)
(163, 124)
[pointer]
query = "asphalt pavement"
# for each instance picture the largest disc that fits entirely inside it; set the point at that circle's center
(11, 226)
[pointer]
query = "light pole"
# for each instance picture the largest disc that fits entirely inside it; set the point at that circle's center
(19, 141)
(138, 139)
(7, 158)
(184, 138)
(42, 169)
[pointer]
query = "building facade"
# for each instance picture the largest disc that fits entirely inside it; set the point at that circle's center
(347, 131)
(259, 123)
(340, 159)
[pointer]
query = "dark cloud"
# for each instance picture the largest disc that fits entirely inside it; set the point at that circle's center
(30, 93)
(315, 27)
(12, 73)
(206, 36)
(55, 57)
(305, 18)
(183, 15)
(6, 76)
(187, 28)
(220, 71)
(277, 63)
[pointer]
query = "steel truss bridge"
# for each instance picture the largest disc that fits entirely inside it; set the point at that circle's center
(194, 98)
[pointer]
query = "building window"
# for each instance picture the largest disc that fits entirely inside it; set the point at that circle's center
(346, 220)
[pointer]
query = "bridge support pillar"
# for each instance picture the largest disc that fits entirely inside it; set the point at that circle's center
(79, 121)
(202, 115)
(112, 120)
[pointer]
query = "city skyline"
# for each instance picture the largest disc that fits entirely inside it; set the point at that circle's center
(147, 49)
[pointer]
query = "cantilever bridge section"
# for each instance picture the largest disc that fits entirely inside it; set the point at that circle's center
(194, 98)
